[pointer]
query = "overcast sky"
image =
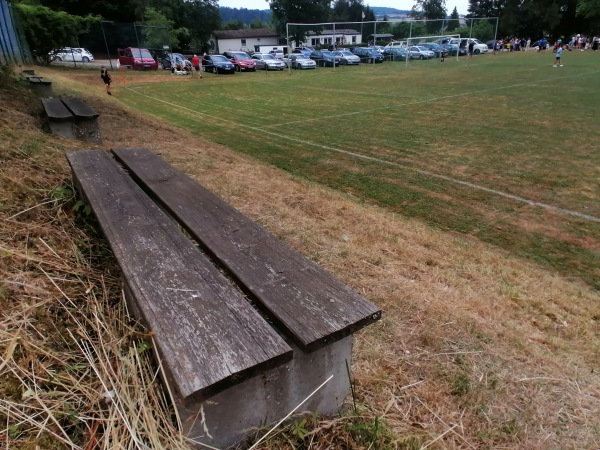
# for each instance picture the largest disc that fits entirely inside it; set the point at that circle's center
(461, 5)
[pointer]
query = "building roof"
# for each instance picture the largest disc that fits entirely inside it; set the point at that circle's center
(328, 32)
(245, 33)
(382, 35)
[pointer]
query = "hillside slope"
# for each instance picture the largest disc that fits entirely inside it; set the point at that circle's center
(477, 349)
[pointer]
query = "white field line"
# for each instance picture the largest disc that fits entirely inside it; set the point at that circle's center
(391, 163)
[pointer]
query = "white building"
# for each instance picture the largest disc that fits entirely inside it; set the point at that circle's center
(247, 40)
(341, 38)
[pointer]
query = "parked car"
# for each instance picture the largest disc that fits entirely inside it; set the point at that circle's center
(450, 50)
(71, 54)
(368, 55)
(241, 61)
(461, 44)
(267, 62)
(395, 54)
(324, 58)
(395, 44)
(277, 53)
(418, 52)
(435, 48)
(302, 51)
(299, 61)
(217, 64)
(478, 46)
(137, 58)
(177, 60)
(346, 57)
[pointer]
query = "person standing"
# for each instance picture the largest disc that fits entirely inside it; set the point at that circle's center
(559, 51)
(196, 64)
(106, 78)
(471, 47)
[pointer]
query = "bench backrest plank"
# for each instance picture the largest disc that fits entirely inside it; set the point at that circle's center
(79, 108)
(305, 301)
(55, 109)
(206, 331)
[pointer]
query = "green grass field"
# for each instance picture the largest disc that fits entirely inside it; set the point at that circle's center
(505, 148)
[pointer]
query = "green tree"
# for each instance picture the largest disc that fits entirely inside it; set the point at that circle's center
(46, 30)
(201, 18)
(233, 25)
(588, 8)
(299, 11)
(119, 10)
(347, 11)
(259, 24)
(158, 30)
(453, 23)
(434, 11)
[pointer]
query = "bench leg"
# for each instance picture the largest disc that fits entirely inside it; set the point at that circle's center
(87, 130)
(239, 411)
(62, 128)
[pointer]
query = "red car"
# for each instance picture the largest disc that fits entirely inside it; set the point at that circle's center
(137, 58)
(241, 61)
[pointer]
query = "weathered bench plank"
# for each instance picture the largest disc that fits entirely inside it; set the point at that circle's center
(56, 110)
(305, 301)
(207, 333)
(79, 108)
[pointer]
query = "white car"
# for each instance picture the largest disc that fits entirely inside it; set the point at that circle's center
(267, 62)
(395, 44)
(71, 54)
(478, 46)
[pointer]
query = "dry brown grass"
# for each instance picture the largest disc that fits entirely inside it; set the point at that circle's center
(477, 349)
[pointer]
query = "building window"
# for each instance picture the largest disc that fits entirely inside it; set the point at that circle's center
(243, 42)
(314, 42)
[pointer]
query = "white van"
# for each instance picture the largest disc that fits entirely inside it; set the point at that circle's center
(396, 44)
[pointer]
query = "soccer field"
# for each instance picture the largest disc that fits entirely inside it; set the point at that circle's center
(503, 147)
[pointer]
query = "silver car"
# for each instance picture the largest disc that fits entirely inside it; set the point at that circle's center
(267, 62)
(346, 57)
(417, 52)
(301, 62)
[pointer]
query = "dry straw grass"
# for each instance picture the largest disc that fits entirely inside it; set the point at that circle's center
(477, 349)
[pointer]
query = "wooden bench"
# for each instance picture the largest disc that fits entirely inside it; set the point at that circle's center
(231, 367)
(43, 87)
(70, 117)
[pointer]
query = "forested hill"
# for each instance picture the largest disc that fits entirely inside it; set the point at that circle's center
(246, 16)
(381, 11)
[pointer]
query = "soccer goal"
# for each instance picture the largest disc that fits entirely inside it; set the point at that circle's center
(449, 42)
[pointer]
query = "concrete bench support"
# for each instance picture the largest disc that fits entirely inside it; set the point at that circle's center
(70, 117)
(240, 410)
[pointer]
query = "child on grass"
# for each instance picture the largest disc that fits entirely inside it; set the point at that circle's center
(559, 51)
